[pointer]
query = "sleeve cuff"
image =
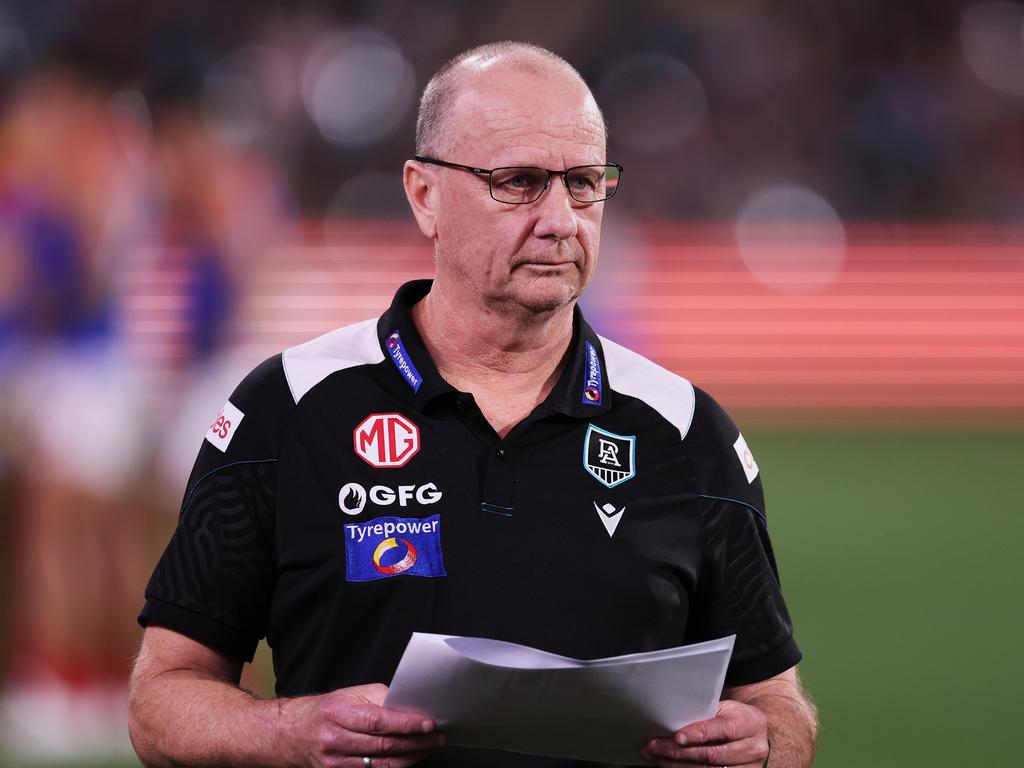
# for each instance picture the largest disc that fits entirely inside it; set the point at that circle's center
(198, 627)
(754, 671)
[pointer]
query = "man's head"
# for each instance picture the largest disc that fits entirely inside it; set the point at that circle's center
(507, 104)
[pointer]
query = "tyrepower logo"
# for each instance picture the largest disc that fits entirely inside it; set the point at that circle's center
(386, 440)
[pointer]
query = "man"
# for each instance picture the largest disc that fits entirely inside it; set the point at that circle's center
(423, 472)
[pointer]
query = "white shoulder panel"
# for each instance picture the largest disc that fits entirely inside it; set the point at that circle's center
(308, 364)
(634, 375)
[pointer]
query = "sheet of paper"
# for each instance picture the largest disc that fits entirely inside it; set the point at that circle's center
(488, 693)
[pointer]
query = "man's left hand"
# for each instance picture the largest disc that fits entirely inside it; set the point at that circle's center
(736, 737)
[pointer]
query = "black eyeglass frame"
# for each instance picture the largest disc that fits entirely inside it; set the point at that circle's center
(490, 171)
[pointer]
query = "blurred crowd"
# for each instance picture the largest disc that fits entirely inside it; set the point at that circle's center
(185, 137)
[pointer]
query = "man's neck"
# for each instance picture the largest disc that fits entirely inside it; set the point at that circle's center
(492, 352)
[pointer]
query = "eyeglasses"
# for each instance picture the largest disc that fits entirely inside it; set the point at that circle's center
(522, 184)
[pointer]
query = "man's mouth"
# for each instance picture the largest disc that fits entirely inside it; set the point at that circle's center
(546, 264)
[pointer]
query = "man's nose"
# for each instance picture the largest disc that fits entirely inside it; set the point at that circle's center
(556, 216)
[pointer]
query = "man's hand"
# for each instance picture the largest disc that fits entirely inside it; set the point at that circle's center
(187, 710)
(736, 737)
(338, 729)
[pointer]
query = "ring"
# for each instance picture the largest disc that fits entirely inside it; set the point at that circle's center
(366, 762)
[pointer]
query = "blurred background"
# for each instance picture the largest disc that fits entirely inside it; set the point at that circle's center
(821, 221)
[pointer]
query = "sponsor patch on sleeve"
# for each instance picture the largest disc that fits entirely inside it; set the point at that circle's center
(393, 546)
(225, 426)
(746, 458)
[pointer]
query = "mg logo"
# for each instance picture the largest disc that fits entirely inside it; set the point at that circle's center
(386, 440)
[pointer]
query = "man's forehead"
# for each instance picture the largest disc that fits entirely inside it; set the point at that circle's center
(528, 108)
(506, 126)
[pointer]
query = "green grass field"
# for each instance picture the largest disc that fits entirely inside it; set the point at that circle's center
(899, 559)
(898, 554)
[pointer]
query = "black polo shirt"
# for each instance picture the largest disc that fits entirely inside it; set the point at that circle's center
(347, 496)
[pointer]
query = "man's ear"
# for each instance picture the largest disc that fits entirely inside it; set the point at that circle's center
(421, 192)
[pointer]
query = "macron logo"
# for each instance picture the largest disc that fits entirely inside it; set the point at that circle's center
(610, 516)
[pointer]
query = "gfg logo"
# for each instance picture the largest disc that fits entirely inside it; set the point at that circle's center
(386, 440)
(352, 497)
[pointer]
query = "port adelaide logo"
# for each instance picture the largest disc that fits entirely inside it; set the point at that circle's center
(608, 457)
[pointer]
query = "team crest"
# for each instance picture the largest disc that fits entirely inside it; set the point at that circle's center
(610, 458)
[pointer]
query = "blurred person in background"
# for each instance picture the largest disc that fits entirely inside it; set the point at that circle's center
(104, 364)
(494, 349)
(72, 210)
(218, 207)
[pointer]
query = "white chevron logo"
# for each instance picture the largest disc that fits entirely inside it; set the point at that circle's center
(609, 516)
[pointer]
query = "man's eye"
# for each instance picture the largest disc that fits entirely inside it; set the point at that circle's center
(518, 179)
(581, 181)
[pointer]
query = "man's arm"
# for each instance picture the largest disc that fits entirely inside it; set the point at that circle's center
(186, 709)
(775, 711)
(792, 717)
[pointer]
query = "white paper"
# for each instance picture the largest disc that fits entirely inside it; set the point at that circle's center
(488, 693)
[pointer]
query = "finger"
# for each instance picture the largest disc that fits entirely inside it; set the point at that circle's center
(733, 753)
(731, 724)
(753, 750)
(388, 761)
(667, 762)
(386, 744)
(370, 718)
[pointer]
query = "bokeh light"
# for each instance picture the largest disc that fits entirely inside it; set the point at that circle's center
(791, 239)
(992, 37)
(357, 87)
(653, 100)
(246, 92)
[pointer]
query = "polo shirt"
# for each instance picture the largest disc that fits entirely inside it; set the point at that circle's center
(347, 496)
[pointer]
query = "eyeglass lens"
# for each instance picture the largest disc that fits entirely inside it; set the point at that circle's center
(586, 183)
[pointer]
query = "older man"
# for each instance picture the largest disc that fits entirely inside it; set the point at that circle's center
(476, 461)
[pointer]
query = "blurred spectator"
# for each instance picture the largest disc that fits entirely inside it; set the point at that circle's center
(94, 192)
(70, 212)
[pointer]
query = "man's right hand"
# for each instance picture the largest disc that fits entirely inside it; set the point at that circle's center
(187, 710)
(338, 729)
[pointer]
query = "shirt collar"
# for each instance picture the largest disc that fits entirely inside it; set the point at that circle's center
(404, 349)
(582, 390)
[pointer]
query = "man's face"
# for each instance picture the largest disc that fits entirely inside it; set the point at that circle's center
(535, 257)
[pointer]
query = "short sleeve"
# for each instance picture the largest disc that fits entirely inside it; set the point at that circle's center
(738, 588)
(215, 579)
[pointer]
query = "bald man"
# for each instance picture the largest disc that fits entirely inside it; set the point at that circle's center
(422, 472)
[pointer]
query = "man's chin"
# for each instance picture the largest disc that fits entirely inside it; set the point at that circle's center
(545, 296)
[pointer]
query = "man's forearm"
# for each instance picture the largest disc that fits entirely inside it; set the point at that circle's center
(792, 726)
(187, 710)
(179, 718)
